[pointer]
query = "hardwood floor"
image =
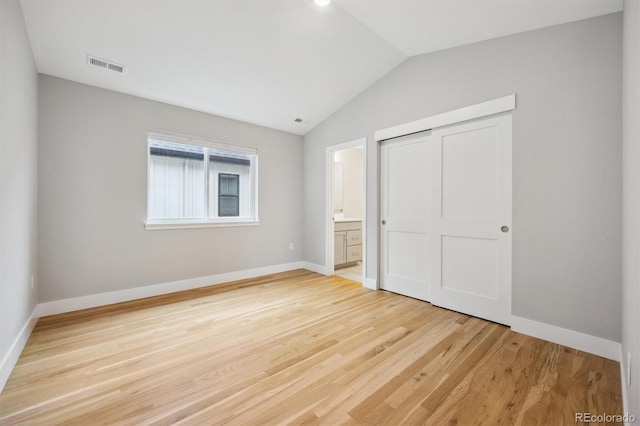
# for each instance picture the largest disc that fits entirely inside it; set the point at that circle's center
(297, 348)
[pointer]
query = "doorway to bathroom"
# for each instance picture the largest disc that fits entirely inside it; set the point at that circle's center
(346, 210)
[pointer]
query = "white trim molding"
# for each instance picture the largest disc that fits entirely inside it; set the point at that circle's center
(101, 299)
(153, 226)
(370, 283)
(10, 358)
(573, 339)
(314, 267)
(494, 106)
(623, 383)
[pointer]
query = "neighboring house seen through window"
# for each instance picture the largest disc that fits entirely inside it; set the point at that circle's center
(228, 195)
(194, 182)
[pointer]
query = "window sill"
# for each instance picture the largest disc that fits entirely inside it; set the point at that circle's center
(153, 226)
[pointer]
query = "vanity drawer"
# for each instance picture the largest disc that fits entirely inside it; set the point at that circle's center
(354, 238)
(354, 253)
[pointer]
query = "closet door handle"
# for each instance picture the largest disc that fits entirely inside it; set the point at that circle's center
(384, 222)
(504, 228)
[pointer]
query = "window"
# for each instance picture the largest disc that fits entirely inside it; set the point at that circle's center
(194, 182)
(229, 195)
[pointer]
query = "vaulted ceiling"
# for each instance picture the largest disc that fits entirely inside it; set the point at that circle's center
(267, 62)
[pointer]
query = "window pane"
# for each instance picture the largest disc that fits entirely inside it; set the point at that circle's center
(228, 206)
(228, 199)
(230, 184)
(176, 181)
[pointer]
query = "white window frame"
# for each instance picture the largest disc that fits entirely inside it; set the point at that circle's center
(252, 220)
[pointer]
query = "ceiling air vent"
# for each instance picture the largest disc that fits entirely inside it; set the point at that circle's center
(103, 63)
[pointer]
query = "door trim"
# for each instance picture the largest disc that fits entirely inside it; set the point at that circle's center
(494, 106)
(330, 267)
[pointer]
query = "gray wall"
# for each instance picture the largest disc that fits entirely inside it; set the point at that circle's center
(566, 159)
(631, 201)
(92, 204)
(18, 175)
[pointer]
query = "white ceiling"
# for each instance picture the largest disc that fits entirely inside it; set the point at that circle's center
(267, 61)
(421, 26)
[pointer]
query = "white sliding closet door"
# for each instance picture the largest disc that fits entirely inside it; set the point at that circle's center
(404, 228)
(470, 217)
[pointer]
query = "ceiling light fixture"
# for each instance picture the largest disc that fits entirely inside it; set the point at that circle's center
(322, 2)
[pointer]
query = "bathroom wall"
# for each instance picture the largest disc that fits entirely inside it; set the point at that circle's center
(353, 181)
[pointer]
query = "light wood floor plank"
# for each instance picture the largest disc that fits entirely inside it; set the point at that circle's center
(296, 348)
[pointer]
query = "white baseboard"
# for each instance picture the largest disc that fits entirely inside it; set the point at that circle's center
(101, 299)
(10, 359)
(573, 339)
(370, 283)
(320, 269)
(623, 383)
